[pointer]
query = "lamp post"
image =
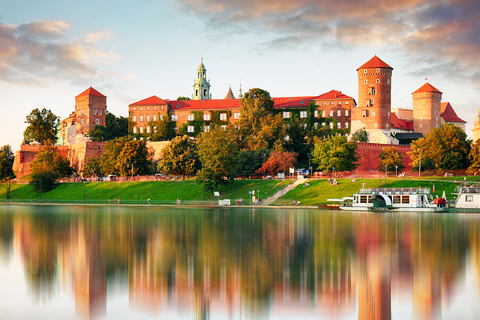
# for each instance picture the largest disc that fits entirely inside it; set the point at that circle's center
(385, 173)
(420, 165)
(309, 166)
(396, 171)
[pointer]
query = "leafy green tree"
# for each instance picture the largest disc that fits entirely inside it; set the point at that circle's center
(278, 162)
(42, 127)
(180, 157)
(164, 129)
(6, 162)
(446, 147)
(391, 158)
(249, 161)
(97, 134)
(335, 152)
(115, 127)
(135, 157)
(93, 167)
(217, 153)
(108, 160)
(48, 159)
(359, 136)
(270, 134)
(474, 158)
(183, 98)
(44, 179)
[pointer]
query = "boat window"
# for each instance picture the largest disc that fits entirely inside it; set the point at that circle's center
(406, 199)
(363, 199)
(396, 199)
(468, 198)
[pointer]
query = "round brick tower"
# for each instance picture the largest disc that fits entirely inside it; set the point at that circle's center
(373, 112)
(427, 101)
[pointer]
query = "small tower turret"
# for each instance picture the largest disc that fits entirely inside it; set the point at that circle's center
(201, 86)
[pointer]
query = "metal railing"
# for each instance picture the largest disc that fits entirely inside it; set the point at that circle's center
(111, 202)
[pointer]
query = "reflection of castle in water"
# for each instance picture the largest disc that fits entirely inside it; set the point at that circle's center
(293, 264)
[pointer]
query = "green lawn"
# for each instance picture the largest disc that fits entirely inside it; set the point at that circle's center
(155, 190)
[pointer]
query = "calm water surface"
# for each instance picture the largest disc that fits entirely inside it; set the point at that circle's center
(183, 263)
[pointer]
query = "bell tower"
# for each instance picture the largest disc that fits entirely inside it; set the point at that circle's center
(201, 86)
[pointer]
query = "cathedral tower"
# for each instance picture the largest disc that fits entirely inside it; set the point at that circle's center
(90, 109)
(201, 86)
(427, 101)
(373, 112)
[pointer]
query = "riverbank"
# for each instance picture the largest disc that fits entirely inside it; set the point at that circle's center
(191, 193)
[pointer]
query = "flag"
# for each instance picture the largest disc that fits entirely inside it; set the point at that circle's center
(426, 79)
(434, 188)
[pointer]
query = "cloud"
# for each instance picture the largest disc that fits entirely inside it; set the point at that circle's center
(444, 32)
(38, 52)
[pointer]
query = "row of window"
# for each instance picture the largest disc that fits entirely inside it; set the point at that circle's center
(377, 81)
(84, 112)
(148, 108)
(303, 114)
(147, 118)
(331, 103)
(97, 121)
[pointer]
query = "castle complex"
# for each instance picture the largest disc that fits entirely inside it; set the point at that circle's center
(333, 110)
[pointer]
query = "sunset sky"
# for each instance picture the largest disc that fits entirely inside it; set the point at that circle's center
(52, 50)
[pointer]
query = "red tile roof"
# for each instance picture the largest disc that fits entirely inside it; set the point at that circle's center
(401, 124)
(333, 94)
(448, 114)
(291, 102)
(208, 104)
(427, 87)
(152, 101)
(91, 92)
(375, 62)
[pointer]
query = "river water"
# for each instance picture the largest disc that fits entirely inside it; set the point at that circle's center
(114, 262)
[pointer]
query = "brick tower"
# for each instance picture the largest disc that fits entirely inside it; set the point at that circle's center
(373, 113)
(90, 109)
(476, 127)
(427, 101)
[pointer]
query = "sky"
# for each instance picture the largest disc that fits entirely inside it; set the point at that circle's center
(52, 50)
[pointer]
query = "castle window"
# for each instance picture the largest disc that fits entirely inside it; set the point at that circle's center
(303, 114)
(190, 117)
(148, 108)
(339, 102)
(141, 109)
(141, 130)
(223, 116)
(378, 80)
(378, 70)
(331, 125)
(154, 108)
(94, 111)
(346, 113)
(190, 129)
(223, 127)
(331, 113)
(148, 129)
(323, 124)
(365, 113)
(373, 113)
(365, 81)
(346, 102)
(134, 118)
(323, 103)
(148, 117)
(315, 125)
(371, 90)
(97, 121)
(83, 121)
(236, 115)
(388, 81)
(174, 117)
(331, 102)
(134, 109)
(346, 125)
(364, 70)
(286, 114)
(339, 113)
(421, 125)
(323, 113)
(134, 129)
(161, 117)
(206, 128)
(141, 118)
(99, 112)
(206, 117)
(154, 117)
(339, 125)
(315, 113)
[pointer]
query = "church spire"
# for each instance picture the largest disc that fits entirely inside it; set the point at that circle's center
(201, 86)
(240, 95)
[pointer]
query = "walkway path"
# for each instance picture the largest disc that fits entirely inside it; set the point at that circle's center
(278, 194)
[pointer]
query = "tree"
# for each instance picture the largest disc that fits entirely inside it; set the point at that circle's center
(217, 153)
(134, 159)
(446, 147)
(474, 158)
(183, 98)
(115, 127)
(335, 152)
(43, 179)
(48, 159)
(42, 127)
(270, 133)
(6, 163)
(279, 162)
(108, 160)
(391, 158)
(249, 161)
(359, 136)
(180, 157)
(92, 167)
(164, 129)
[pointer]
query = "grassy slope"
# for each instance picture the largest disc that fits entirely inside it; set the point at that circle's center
(321, 190)
(156, 190)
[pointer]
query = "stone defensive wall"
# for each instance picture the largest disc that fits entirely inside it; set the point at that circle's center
(77, 154)
(370, 160)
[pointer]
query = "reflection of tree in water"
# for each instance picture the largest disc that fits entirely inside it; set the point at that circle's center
(6, 236)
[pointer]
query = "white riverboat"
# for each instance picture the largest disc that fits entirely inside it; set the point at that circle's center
(398, 199)
(468, 197)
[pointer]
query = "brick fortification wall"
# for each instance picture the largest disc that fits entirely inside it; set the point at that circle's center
(370, 160)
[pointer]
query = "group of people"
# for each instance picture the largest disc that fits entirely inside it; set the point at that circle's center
(295, 203)
(333, 181)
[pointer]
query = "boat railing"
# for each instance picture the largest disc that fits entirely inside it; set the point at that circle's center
(394, 191)
(467, 189)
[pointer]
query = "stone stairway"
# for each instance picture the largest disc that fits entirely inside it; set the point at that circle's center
(278, 194)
